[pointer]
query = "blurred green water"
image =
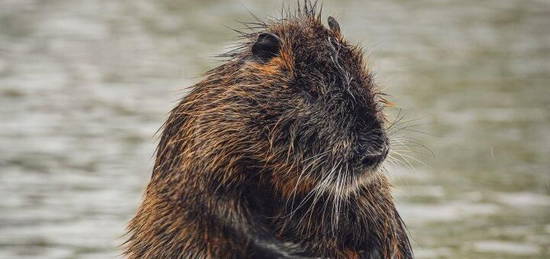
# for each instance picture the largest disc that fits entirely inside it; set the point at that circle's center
(84, 86)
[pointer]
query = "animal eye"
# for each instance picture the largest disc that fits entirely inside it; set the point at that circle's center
(266, 46)
(333, 24)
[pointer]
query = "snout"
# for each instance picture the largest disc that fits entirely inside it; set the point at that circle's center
(372, 148)
(374, 158)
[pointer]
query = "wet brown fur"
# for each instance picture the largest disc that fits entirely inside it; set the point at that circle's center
(228, 179)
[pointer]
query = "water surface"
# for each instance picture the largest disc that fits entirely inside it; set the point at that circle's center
(84, 85)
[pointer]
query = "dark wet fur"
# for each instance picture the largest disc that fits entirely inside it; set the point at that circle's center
(274, 155)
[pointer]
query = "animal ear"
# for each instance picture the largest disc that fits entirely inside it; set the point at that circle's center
(333, 24)
(266, 46)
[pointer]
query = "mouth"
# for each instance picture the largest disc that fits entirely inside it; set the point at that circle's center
(365, 171)
(350, 182)
(326, 172)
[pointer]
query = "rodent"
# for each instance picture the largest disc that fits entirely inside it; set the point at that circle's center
(275, 154)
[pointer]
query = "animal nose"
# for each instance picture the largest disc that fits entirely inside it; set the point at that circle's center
(371, 159)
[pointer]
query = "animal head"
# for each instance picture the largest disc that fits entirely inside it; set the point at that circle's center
(295, 102)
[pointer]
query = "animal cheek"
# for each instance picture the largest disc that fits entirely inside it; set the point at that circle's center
(296, 186)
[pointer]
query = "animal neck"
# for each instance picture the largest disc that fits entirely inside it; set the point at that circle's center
(365, 220)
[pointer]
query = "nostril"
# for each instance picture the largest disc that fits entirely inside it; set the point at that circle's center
(374, 158)
(370, 160)
(385, 151)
